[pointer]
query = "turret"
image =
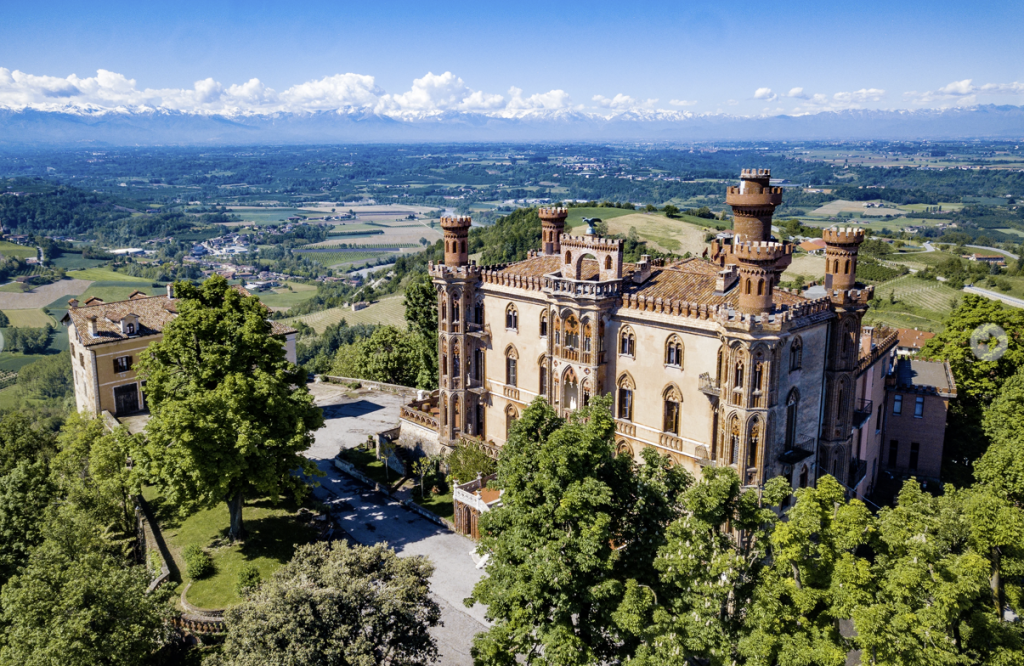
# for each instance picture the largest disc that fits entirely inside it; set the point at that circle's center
(841, 247)
(456, 244)
(552, 226)
(753, 203)
(756, 264)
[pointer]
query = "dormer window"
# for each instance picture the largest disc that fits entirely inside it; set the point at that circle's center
(129, 324)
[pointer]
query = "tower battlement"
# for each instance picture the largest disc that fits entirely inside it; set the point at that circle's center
(761, 252)
(456, 222)
(846, 236)
(553, 214)
(589, 242)
(755, 173)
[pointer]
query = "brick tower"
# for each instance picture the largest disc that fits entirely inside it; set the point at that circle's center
(456, 234)
(757, 264)
(552, 226)
(841, 247)
(753, 203)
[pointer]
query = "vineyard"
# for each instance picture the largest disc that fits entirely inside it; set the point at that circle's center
(389, 311)
(341, 246)
(329, 258)
(919, 303)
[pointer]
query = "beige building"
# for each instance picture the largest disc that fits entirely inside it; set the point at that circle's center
(106, 340)
(708, 360)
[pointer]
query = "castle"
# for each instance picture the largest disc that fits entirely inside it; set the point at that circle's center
(708, 360)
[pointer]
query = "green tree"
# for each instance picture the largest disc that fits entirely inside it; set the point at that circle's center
(389, 355)
(49, 378)
(338, 606)
(1002, 466)
(575, 525)
(20, 441)
(25, 493)
(4, 321)
(421, 314)
(230, 415)
(80, 611)
(467, 461)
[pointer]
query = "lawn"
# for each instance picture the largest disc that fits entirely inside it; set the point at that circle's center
(104, 275)
(72, 262)
(15, 250)
(9, 398)
(282, 297)
(440, 504)
(665, 234)
(576, 216)
(111, 290)
(387, 311)
(810, 266)
(30, 319)
(15, 288)
(273, 534)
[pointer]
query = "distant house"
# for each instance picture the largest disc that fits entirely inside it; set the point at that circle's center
(911, 340)
(360, 305)
(997, 259)
(813, 246)
(199, 250)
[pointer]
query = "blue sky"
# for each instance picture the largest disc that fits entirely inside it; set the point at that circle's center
(740, 58)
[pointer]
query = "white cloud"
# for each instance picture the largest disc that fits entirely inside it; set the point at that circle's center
(797, 93)
(622, 102)
(858, 97)
(551, 100)
(733, 102)
(963, 93)
(682, 102)
(765, 94)
(340, 91)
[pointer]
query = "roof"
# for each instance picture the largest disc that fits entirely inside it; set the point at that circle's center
(912, 338)
(153, 313)
(812, 245)
(918, 376)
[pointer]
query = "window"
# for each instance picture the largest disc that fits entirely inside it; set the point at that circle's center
(626, 388)
(455, 310)
(544, 324)
(752, 443)
(796, 355)
(480, 420)
(586, 392)
(511, 415)
(572, 333)
(511, 365)
(878, 419)
(894, 447)
(478, 313)
(738, 375)
(791, 406)
(512, 318)
(123, 364)
(543, 380)
(734, 441)
(627, 342)
(587, 335)
(456, 365)
(897, 404)
(478, 364)
(672, 399)
(919, 407)
(608, 262)
(131, 328)
(674, 351)
(915, 451)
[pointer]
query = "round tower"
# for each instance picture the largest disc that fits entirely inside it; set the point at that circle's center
(753, 203)
(456, 243)
(841, 247)
(757, 267)
(552, 226)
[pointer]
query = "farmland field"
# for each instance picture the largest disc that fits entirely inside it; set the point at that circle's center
(664, 234)
(104, 274)
(920, 304)
(43, 295)
(72, 262)
(811, 267)
(283, 298)
(388, 310)
(29, 318)
(833, 208)
(15, 288)
(116, 290)
(15, 250)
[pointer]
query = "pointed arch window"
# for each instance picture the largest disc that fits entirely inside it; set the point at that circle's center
(796, 355)
(734, 440)
(544, 324)
(478, 364)
(512, 318)
(674, 351)
(478, 313)
(587, 392)
(511, 366)
(754, 442)
(792, 401)
(737, 380)
(626, 387)
(587, 337)
(672, 409)
(572, 333)
(455, 308)
(627, 342)
(543, 376)
(456, 360)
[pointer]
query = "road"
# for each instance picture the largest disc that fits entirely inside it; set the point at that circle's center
(996, 250)
(996, 296)
(370, 517)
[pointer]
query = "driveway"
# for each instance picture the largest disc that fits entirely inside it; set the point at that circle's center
(370, 517)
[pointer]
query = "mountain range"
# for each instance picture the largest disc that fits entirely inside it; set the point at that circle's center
(81, 126)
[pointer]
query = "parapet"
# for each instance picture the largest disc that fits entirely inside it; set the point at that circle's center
(768, 196)
(847, 236)
(758, 252)
(591, 243)
(755, 173)
(456, 222)
(553, 213)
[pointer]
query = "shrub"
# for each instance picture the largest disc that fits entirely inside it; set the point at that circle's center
(197, 562)
(155, 562)
(248, 579)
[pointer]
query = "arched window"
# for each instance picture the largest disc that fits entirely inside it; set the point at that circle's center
(673, 400)
(754, 442)
(737, 380)
(674, 351)
(750, 285)
(556, 324)
(760, 287)
(478, 313)
(572, 333)
(456, 415)
(544, 324)
(835, 267)
(796, 355)
(568, 257)
(734, 440)
(478, 364)
(512, 318)
(587, 392)
(456, 360)
(455, 308)
(623, 448)
(719, 366)
(587, 335)
(511, 366)
(760, 370)
(480, 420)
(626, 388)
(543, 376)
(570, 390)
(444, 308)
(511, 416)
(791, 406)
(608, 262)
(463, 247)
(627, 342)
(846, 267)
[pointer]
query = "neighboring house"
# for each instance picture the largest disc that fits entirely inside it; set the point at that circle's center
(106, 340)
(917, 399)
(996, 259)
(911, 341)
(471, 500)
(813, 246)
(708, 361)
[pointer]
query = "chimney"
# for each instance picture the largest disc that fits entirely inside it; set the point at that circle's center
(73, 303)
(92, 326)
(170, 291)
(866, 333)
(726, 279)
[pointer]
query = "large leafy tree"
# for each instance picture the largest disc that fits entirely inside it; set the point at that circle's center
(421, 314)
(390, 355)
(1002, 465)
(978, 381)
(576, 524)
(230, 415)
(338, 606)
(706, 575)
(25, 493)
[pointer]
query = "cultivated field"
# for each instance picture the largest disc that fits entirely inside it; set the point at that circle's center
(43, 295)
(15, 250)
(389, 310)
(285, 298)
(661, 232)
(833, 208)
(29, 318)
(920, 304)
(811, 267)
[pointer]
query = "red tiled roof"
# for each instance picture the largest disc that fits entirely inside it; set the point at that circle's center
(812, 245)
(913, 339)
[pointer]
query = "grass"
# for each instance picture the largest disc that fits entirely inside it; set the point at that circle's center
(9, 398)
(111, 291)
(440, 504)
(668, 235)
(15, 288)
(285, 298)
(273, 532)
(330, 259)
(921, 304)
(15, 250)
(576, 215)
(104, 275)
(811, 267)
(368, 464)
(71, 262)
(30, 319)
(387, 311)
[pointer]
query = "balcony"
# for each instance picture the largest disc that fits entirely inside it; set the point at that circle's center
(708, 386)
(582, 288)
(862, 412)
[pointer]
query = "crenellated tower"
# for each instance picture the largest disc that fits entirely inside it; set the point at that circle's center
(757, 264)
(849, 302)
(753, 204)
(552, 226)
(456, 240)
